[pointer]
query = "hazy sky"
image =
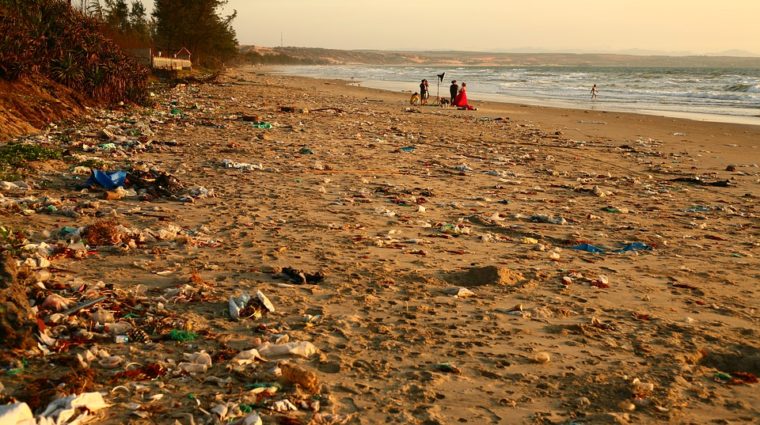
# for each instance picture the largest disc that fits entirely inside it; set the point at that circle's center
(699, 26)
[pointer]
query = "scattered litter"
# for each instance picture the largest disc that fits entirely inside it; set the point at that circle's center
(228, 163)
(635, 246)
(460, 292)
(107, 180)
(245, 306)
(283, 406)
(182, 336)
(250, 419)
(73, 409)
(247, 357)
(16, 414)
(196, 362)
(736, 378)
(298, 375)
(300, 349)
(302, 277)
(588, 248)
(547, 219)
(699, 182)
(698, 209)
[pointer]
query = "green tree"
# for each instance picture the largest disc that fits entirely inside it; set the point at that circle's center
(138, 21)
(197, 25)
(117, 16)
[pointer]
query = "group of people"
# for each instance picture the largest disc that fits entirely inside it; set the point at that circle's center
(458, 95)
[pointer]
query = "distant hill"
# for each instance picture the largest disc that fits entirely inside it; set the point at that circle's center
(307, 55)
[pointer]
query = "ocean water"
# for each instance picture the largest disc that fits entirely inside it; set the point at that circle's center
(729, 95)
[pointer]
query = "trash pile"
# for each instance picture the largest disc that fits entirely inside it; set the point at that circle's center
(121, 348)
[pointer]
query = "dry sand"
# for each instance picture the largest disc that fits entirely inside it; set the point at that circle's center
(548, 334)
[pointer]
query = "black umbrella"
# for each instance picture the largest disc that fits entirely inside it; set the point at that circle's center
(440, 79)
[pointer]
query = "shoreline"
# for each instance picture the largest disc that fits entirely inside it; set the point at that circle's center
(742, 139)
(401, 86)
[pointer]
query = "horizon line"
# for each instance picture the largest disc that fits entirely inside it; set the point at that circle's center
(521, 51)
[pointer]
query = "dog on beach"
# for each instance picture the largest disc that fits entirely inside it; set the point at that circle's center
(445, 102)
(415, 99)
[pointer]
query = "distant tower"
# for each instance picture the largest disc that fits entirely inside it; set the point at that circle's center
(281, 41)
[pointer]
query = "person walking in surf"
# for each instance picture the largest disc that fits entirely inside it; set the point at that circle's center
(594, 92)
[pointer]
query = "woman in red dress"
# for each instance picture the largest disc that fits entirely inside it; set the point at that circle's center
(461, 100)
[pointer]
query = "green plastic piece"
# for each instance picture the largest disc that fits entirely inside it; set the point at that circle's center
(182, 336)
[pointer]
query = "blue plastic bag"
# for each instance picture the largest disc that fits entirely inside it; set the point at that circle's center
(635, 246)
(108, 181)
(589, 248)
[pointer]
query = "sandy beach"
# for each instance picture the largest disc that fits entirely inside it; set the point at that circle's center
(515, 264)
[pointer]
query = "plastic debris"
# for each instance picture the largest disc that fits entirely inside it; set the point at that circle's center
(736, 378)
(250, 419)
(588, 248)
(182, 336)
(196, 362)
(460, 292)
(16, 414)
(699, 182)
(228, 163)
(284, 406)
(144, 373)
(698, 209)
(302, 277)
(107, 180)
(72, 409)
(245, 306)
(635, 246)
(300, 349)
(547, 219)
(247, 357)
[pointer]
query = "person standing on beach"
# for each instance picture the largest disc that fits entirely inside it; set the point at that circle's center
(453, 90)
(424, 92)
(594, 92)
